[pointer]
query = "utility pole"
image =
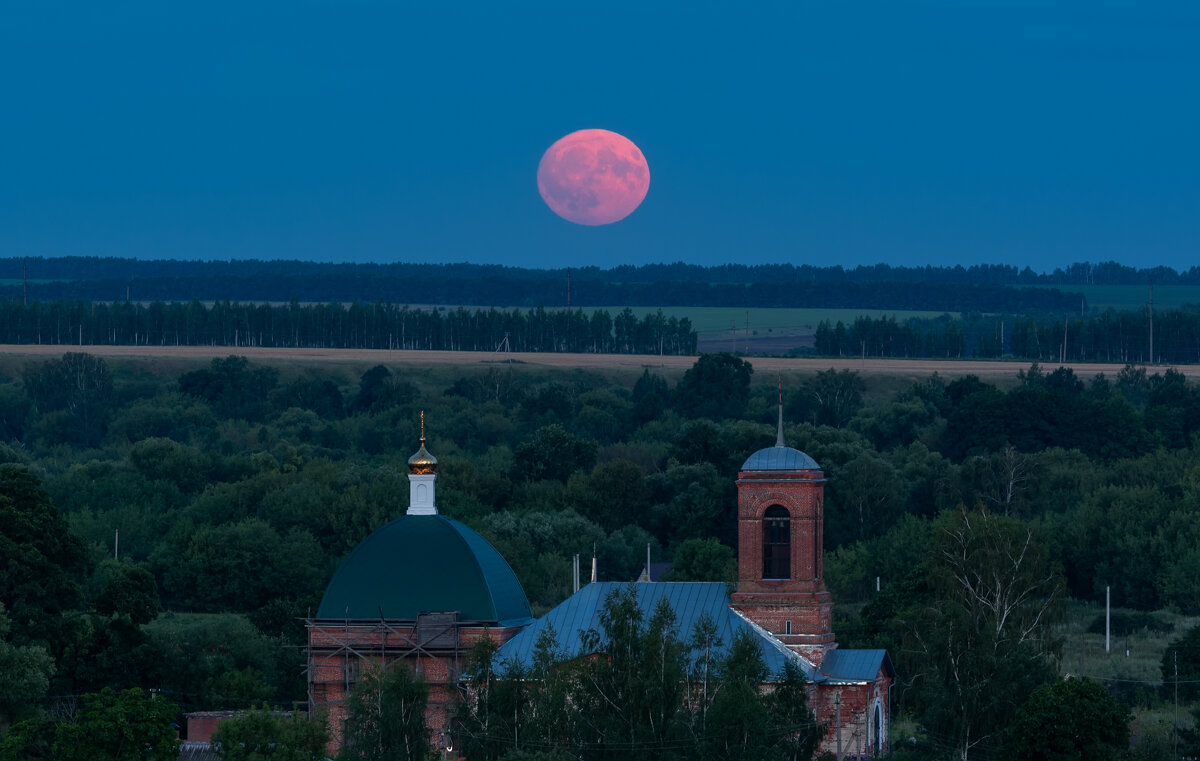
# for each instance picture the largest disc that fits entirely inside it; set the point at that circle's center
(1175, 726)
(116, 544)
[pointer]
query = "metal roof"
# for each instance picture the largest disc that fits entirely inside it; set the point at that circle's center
(690, 600)
(421, 564)
(855, 665)
(780, 458)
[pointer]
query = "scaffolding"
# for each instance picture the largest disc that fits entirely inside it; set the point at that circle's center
(431, 645)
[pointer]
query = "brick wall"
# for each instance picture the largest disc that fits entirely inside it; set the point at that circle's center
(339, 651)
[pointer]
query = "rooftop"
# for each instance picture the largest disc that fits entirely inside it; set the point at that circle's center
(421, 564)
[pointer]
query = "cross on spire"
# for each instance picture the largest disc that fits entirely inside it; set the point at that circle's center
(779, 435)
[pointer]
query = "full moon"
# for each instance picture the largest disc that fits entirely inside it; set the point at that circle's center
(593, 177)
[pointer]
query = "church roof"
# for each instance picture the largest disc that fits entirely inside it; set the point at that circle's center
(780, 458)
(855, 665)
(690, 600)
(423, 564)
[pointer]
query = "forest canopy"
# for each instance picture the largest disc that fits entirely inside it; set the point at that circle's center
(237, 487)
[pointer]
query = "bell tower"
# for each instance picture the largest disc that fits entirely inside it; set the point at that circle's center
(781, 585)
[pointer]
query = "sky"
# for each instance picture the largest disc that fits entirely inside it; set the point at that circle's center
(907, 132)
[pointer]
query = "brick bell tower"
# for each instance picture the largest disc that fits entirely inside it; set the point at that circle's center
(781, 585)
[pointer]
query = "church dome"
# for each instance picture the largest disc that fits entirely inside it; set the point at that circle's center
(780, 458)
(425, 564)
(422, 463)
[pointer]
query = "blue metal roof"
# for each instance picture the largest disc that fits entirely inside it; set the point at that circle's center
(780, 458)
(690, 600)
(855, 665)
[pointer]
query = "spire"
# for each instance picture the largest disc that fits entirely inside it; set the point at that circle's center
(422, 475)
(422, 463)
(779, 435)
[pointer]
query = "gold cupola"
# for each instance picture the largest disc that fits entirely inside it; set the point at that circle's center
(422, 463)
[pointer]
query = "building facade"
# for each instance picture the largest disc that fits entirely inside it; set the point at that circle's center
(421, 590)
(424, 588)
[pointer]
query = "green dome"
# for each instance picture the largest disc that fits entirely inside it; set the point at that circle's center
(426, 564)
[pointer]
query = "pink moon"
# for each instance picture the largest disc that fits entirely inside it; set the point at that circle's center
(593, 177)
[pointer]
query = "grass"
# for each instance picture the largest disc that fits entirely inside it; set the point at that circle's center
(1133, 666)
(1133, 297)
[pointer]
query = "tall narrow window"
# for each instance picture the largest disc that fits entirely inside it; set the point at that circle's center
(777, 543)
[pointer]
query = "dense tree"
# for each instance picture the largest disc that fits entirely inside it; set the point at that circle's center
(235, 566)
(702, 560)
(650, 396)
(978, 628)
(129, 590)
(218, 661)
(29, 740)
(264, 735)
(831, 397)
(119, 726)
(379, 388)
(24, 675)
(553, 453)
(74, 392)
(40, 560)
(232, 387)
(385, 717)
(716, 387)
(1070, 720)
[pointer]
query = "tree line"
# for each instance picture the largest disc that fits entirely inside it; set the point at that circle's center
(378, 325)
(882, 287)
(118, 270)
(1110, 337)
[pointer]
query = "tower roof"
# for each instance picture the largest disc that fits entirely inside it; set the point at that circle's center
(780, 458)
(422, 564)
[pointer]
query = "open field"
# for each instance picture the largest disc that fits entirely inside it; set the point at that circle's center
(10, 354)
(1133, 297)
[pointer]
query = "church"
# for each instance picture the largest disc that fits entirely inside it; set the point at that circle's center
(424, 588)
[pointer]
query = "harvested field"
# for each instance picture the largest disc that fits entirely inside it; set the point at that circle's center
(592, 361)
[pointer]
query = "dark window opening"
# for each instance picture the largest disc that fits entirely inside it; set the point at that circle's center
(777, 543)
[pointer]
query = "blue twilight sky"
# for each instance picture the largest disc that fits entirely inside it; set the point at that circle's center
(901, 131)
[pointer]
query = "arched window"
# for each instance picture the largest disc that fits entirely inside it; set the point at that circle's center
(777, 543)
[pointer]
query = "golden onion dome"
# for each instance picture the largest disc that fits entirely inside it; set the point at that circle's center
(422, 463)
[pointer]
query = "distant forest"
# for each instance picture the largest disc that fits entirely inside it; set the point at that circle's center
(980, 288)
(354, 326)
